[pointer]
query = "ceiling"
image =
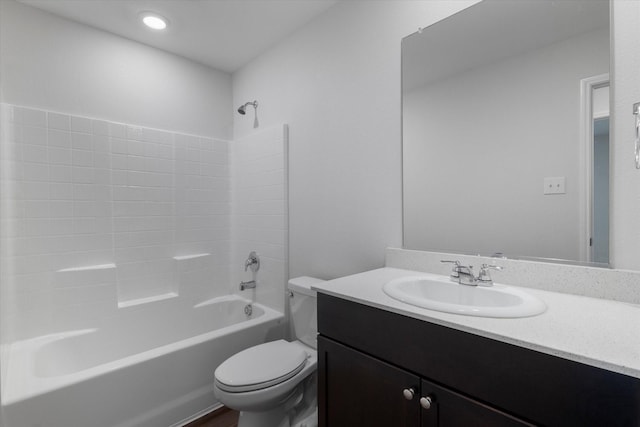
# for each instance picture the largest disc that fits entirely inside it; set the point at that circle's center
(223, 34)
(493, 31)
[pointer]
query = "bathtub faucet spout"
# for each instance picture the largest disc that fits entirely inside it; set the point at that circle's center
(251, 284)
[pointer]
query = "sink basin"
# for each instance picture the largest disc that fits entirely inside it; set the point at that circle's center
(441, 294)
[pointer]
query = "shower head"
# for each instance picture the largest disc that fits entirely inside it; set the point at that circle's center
(243, 108)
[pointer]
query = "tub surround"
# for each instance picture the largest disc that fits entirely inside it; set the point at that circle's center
(594, 331)
(260, 211)
(111, 227)
(102, 216)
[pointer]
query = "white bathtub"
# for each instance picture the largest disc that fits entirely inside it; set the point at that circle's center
(144, 368)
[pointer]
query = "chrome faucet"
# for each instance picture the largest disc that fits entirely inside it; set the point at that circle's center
(252, 262)
(251, 284)
(484, 277)
(463, 274)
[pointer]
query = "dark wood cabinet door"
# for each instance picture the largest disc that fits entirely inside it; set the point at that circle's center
(357, 390)
(450, 409)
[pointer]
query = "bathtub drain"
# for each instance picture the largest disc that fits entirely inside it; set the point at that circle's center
(248, 309)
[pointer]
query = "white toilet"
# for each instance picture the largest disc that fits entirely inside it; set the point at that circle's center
(274, 384)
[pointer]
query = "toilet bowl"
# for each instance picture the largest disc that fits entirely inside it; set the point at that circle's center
(274, 384)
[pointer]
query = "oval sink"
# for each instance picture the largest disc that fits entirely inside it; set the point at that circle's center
(440, 294)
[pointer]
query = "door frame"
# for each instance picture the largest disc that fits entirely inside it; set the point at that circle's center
(585, 190)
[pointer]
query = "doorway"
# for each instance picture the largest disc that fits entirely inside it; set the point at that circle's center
(595, 149)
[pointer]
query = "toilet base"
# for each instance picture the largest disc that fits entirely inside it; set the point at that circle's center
(276, 417)
(306, 413)
(299, 409)
(309, 421)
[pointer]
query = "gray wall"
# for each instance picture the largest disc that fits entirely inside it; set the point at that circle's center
(336, 82)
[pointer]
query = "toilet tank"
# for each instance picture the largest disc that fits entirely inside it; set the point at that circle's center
(303, 310)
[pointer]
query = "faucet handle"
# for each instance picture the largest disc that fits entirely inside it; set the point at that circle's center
(253, 262)
(484, 277)
(455, 270)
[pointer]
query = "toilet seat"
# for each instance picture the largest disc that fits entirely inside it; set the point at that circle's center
(260, 367)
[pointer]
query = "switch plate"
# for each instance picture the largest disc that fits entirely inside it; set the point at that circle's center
(554, 185)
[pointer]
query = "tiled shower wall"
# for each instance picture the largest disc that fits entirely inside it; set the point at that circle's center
(260, 211)
(98, 215)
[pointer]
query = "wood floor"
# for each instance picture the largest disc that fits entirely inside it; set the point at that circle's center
(223, 417)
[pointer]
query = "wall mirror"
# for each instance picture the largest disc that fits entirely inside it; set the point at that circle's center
(505, 131)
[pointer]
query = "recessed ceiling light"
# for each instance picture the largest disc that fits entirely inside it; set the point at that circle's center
(154, 21)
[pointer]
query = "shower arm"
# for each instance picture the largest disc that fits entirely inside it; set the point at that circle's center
(243, 110)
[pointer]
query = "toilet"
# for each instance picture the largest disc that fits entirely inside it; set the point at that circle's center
(274, 384)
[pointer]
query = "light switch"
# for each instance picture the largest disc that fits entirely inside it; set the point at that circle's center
(554, 185)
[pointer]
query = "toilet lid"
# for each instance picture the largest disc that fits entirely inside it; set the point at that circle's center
(260, 366)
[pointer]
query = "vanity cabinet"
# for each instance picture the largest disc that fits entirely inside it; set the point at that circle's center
(365, 391)
(375, 367)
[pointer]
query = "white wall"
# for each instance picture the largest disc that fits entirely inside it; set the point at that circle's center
(54, 64)
(466, 177)
(625, 178)
(336, 82)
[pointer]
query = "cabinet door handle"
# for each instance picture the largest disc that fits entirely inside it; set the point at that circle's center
(408, 393)
(426, 402)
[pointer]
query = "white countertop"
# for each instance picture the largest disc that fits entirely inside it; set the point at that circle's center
(597, 332)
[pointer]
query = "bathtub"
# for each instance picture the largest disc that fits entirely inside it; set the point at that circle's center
(142, 368)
